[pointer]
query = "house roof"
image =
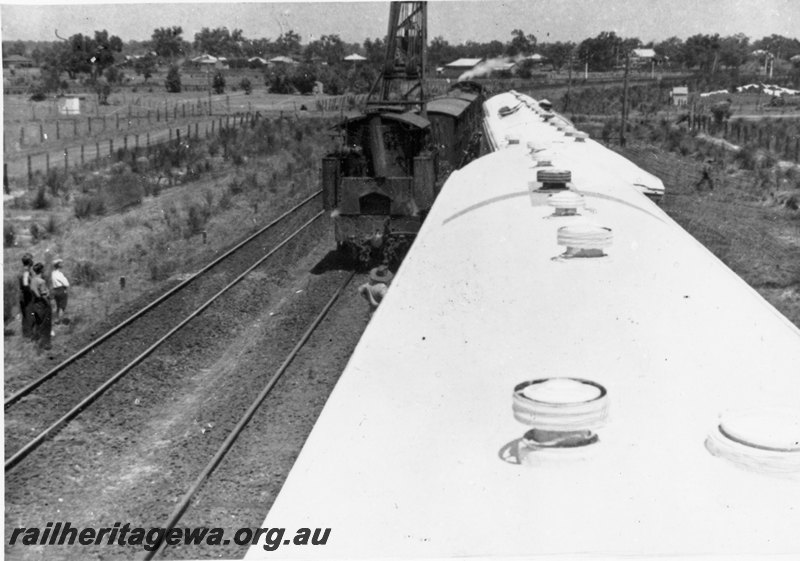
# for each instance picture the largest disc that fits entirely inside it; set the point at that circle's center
(644, 53)
(464, 63)
(283, 59)
(16, 58)
(680, 90)
(205, 59)
(355, 56)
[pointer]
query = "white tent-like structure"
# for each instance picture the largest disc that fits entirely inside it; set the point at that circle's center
(355, 57)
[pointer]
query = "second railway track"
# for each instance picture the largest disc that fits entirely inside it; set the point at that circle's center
(36, 406)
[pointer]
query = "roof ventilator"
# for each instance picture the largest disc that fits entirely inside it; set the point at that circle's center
(553, 179)
(762, 440)
(564, 413)
(581, 136)
(584, 240)
(505, 111)
(566, 203)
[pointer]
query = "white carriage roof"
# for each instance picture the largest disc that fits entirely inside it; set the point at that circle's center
(407, 458)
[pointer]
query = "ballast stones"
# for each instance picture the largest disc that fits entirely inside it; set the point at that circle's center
(764, 440)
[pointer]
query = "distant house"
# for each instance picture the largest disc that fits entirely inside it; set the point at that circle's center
(458, 67)
(257, 61)
(680, 95)
(640, 57)
(281, 60)
(17, 61)
(208, 61)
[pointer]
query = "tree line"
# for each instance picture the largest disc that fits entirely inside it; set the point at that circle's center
(100, 59)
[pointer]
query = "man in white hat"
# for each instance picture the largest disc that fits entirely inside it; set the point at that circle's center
(60, 285)
(375, 290)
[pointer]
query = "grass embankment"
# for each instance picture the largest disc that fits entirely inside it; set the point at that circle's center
(144, 218)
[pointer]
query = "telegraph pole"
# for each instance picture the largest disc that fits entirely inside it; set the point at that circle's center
(624, 101)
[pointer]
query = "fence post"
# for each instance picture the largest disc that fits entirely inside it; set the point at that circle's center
(74, 127)
(175, 112)
(117, 116)
(125, 142)
(111, 149)
(188, 130)
(41, 132)
(82, 160)
(30, 171)
(183, 106)
(177, 136)
(137, 140)
(197, 130)
(47, 162)
(148, 140)
(97, 152)
(66, 160)
(89, 121)
(22, 136)
(212, 126)
(58, 129)
(104, 123)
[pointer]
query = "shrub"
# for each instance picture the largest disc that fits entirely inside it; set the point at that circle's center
(55, 181)
(197, 217)
(51, 226)
(218, 83)
(40, 201)
(226, 200)
(173, 80)
(246, 86)
(10, 297)
(89, 205)
(86, 273)
(9, 235)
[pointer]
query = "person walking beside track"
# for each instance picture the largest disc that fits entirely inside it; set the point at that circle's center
(25, 295)
(60, 286)
(40, 308)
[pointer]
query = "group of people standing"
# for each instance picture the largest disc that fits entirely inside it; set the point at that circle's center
(35, 296)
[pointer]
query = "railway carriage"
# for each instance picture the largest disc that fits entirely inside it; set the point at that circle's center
(558, 368)
(380, 187)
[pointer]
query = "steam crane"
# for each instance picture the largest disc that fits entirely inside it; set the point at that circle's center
(402, 80)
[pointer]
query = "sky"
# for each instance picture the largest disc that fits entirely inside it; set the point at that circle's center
(456, 20)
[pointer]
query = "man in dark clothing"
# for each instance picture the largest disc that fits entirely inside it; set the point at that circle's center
(40, 309)
(25, 295)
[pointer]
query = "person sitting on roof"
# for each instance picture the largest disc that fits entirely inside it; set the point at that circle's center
(375, 290)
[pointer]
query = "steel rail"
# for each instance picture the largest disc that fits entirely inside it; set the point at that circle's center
(234, 434)
(33, 444)
(56, 369)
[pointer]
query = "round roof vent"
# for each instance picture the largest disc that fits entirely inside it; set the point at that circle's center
(544, 164)
(570, 131)
(765, 440)
(566, 203)
(584, 240)
(563, 412)
(581, 136)
(553, 178)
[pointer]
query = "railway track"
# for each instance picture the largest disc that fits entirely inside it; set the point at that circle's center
(276, 373)
(44, 405)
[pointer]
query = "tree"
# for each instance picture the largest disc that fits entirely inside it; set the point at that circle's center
(246, 86)
(114, 75)
(520, 44)
(218, 83)
(145, 66)
(288, 43)
(558, 53)
(103, 89)
(167, 41)
(601, 52)
(220, 42)
(375, 50)
(173, 81)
